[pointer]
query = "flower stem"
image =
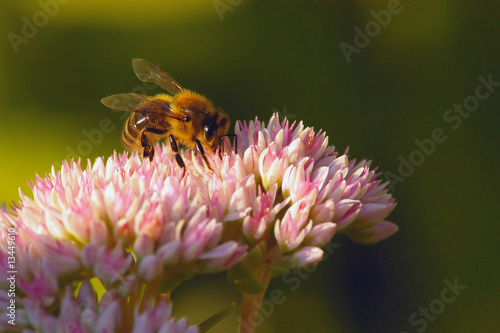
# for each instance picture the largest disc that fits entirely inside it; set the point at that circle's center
(250, 305)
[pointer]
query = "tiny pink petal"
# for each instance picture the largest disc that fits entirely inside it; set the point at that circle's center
(109, 319)
(306, 257)
(374, 234)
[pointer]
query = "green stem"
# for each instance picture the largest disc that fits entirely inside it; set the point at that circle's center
(250, 304)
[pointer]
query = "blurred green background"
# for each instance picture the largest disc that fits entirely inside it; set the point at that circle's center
(253, 58)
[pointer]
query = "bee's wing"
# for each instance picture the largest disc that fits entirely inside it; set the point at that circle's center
(148, 72)
(139, 103)
(124, 102)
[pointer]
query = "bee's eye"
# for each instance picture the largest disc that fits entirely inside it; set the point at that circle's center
(186, 119)
(209, 132)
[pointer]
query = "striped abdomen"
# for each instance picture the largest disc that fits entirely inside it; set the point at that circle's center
(131, 136)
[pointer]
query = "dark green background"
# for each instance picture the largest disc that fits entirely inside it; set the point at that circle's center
(285, 56)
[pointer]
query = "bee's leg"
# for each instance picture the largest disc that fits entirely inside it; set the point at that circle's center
(148, 150)
(147, 143)
(201, 151)
(175, 150)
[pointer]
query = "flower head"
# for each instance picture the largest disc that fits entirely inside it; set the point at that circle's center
(125, 222)
(288, 189)
(145, 226)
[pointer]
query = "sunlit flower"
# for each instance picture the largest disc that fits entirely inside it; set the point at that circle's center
(135, 229)
(284, 194)
(288, 189)
(129, 224)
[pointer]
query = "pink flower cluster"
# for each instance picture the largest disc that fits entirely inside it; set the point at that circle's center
(138, 225)
(126, 222)
(287, 187)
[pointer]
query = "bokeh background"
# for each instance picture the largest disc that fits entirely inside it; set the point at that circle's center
(254, 58)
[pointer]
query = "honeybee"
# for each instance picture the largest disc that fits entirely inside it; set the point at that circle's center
(182, 116)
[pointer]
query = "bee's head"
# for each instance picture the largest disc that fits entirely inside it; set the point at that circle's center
(215, 129)
(201, 118)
